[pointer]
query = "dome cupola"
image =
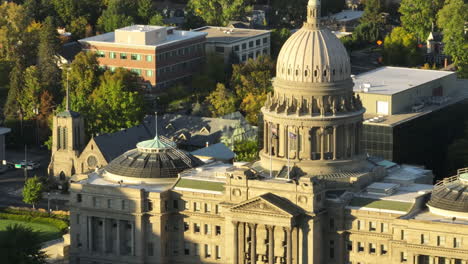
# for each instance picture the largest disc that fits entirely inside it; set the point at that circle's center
(313, 54)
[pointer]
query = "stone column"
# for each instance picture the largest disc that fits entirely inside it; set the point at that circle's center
(322, 143)
(241, 241)
(117, 249)
(353, 140)
(266, 138)
(103, 235)
(90, 233)
(132, 238)
(236, 242)
(271, 244)
(306, 142)
(335, 154)
(288, 246)
(253, 240)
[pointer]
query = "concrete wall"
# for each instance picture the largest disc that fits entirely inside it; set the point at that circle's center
(369, 101)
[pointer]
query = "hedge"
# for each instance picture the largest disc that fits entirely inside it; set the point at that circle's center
(60, 224)
(35, 213)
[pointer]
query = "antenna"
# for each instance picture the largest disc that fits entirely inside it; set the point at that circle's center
(156, 125)
(68, 101)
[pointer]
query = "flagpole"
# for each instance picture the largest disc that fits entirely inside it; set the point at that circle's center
(289, 149)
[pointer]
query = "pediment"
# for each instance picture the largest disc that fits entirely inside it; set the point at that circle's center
(267, 204)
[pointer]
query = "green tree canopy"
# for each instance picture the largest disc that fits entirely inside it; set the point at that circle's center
(49, 45)
(32, 191)
(452, 19)
(401, 48)
(219, 12)
(278, 38)
(19, 244)
(418, 16)
(246, 150)
(78, 27)
(119, 13)
(221, 101)
(116, 102)
(371, 27)
(145, 11)
(29, 100)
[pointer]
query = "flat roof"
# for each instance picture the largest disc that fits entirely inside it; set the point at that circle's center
(176, 36)
(229, 35)
(4, 130)
(393, 80)
(140, 28)
(347, 15)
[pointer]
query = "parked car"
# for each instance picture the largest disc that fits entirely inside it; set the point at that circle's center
(30, 165)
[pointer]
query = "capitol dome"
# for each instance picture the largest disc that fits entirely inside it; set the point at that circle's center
(153, 161)
(313, 54)
(450, 197)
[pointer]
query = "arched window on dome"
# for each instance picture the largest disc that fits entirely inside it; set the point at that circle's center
(325, 73)
(306, 72)
(297, 72)
(289, 71)
(315, 73)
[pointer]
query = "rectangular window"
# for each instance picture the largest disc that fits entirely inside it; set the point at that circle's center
(149, 73)
(124, 205)
(358, 225)
(244, 58)
(219, 49)
(383, 227)
(424, 239)
(257, 42)
(402, 235)
(101, 54)
(265, 40)
(175, 204)
(251, 44)
(78, 240)
(112, 69)
(150, 249)
(150, 205)
(186, 248)
(135, 57)
(95, 202)
(207, 229)
(196, 206)
(218, 230)
(207, 251)
(236, 48)
(350, 245)
(440, 240)
(196, 249)
(186, 226)
(257, 54)
(360, 247)
(456, 242)
(372, 226)
(403, 257)
(217, 252)
(207, 208)
(383, 249)
(372, 248)
(216, 209)
(123, 56)
(332, 252)
(79, 198)
(112, 55)
(251, 55)
(137, 71)
(196, 228)
(149, 58)
(244, 46)
(109, 203)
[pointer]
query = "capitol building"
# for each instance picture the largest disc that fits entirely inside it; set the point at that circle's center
(313, 197)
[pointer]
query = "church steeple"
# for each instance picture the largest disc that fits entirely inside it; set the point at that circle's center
(313, 14)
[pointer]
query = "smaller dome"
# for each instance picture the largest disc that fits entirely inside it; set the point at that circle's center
(450, 196)
(152, 159)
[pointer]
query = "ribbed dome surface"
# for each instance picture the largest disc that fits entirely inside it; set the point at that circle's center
(313, 56)
(451, 194)
(165, 164)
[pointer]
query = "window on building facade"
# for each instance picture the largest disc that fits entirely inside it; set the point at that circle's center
(383, 249)
(402, 235)
(219, 49)
(124, 205)
(112, 69)
(218, 252)
(372, 248)
(207, 229)
(251, 55)
(196, 228)
(244, 58)
(100, 54)
(349, 245)
(149, 73)
(112, 55)
(236, 48)
(456, 242)
(196, 206)
(109, 203)
(218, 230)
(383, 227)
(135, 57)
(123, 56)
(95, 202)
(358, 225)
(207, 251)
(186, 226)
(186, 248)
(251, 44)
(175, 204)
(79, 198)
(150, 205)
(207, 208)
(216, 209)
(360, 247)
(196, 249)
(265, 51)
(332, 224)
(372, 226)
(265, 40)
(440, 240)
(244, 46)
(149, 58)
(257, 53)
(424, 239)
(257, 42)
(137, 71)
(403, 257)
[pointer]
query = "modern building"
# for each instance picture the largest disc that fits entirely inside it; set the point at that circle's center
(313, 197)
(161, 56)
(405, 109)
(243, 42)
(72, 154)
(3, 132)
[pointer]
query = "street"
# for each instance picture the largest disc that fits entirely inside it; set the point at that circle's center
(12, 180)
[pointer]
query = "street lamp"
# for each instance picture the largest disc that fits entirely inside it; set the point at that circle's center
(48, 202)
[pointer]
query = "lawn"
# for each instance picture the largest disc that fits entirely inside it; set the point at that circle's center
(381, 204)
(47, 232)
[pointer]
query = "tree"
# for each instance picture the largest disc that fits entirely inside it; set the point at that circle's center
(278, 38)
(12, 108)
(32, 191)
(418, 16)
(371, 27)
(29, 98)
(145, 10)
(251, 105)
(451, 19)
(291, 13)
(401, 48)
(246, 150)
(221, 101)
(19, 244)
(254, 76)
(219, 12)
(13, 26)
(117, 15)
(78, 27)
(49, 45)
(116, 103)
(156, 20)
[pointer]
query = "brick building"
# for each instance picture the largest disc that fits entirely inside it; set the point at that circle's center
(161, 56)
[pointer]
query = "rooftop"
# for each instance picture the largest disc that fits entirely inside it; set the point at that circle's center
(4, 130)
(229, 35)
(176, 36)
(393, 80)
(428, 216)
(347, 15)
(140, 28)
(217, 151)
